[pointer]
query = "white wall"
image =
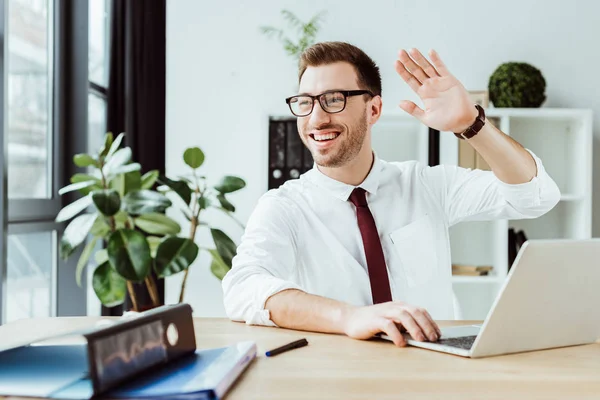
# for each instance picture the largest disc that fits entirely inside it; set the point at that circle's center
(224, 78)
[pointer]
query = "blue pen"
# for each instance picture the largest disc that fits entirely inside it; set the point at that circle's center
(289, 346)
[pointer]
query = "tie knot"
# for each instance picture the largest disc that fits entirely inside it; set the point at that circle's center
(358, 197)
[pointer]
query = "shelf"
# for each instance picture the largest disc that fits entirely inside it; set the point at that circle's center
(539, 113)
(571, 197)
(477, 279)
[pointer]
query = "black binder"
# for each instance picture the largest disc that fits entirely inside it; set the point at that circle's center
(288, 156)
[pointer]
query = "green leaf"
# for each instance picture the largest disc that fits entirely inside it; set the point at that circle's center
(230, 184)
(149, 179)
(292, 19)
(225, 246)
(108, 140)
(108, 202)
(101, 256)
(75, 233)
(125, 183)
(225, 203)
(129, 254)
(115, 145)
(174, 254)
(218, 266)
(109, 286)
(100, 228)
(182, 188)
(188, 178)
(84, 160)
(194, 157)
(153, 242)
(76, 186)
(78, 178)
(120, 158)
(121, 216)
(157, 224)
(83, 260)
(204, 202)
(73, 209)
(145, 201)
(270, 31)
(124, 169)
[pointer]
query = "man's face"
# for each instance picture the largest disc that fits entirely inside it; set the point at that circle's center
(333, 139)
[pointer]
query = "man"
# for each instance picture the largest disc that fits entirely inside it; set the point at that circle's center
(358, 245)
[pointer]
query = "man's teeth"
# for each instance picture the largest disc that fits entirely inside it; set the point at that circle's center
(326, 136)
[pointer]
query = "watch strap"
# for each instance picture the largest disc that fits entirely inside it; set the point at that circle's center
(475, 127)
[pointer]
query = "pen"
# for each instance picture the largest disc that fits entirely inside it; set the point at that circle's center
(286, 347)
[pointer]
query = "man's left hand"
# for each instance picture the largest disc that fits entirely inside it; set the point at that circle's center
(446, 101)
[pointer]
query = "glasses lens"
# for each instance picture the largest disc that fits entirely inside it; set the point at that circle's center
(333, 102)
(301, 105)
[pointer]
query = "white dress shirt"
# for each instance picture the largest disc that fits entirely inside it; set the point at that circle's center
(304, 235)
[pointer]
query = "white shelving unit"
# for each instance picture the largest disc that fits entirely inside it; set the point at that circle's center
(562, 138)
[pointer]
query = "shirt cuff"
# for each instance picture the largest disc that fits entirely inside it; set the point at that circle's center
(260, 315)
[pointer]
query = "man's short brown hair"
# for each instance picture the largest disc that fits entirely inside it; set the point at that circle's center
(330, 52)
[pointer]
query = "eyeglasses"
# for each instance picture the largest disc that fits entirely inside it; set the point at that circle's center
(333, 101)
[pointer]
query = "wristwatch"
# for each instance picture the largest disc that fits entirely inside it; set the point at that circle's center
(475, 128)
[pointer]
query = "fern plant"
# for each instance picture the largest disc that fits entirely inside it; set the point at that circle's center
(307, 33)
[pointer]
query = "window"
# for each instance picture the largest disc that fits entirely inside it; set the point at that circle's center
(30, 141)
(35, 131)
(30, 277)
(29, 105)
(98, 71)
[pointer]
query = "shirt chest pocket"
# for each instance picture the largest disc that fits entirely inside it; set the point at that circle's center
(416, 248)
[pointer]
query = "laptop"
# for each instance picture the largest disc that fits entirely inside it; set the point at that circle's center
(550, 299)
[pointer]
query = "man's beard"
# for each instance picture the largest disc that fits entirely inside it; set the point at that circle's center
(346, 150)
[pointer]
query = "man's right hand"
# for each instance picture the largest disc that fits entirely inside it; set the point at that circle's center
(391, 318)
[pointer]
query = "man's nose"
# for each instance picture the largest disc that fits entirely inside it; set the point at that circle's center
(319, 116)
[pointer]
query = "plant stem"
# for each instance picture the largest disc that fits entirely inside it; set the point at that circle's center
(132, 295)
(151, 285)
(193, 226)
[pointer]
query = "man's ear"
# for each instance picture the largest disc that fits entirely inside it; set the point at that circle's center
(374, 111)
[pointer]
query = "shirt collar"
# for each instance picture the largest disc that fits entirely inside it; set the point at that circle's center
(341, 190)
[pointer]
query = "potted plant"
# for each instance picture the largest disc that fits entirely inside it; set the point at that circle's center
(131, 235)
(307, 32)
(517, 84)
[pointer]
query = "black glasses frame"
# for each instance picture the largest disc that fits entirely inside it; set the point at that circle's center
(345, 93)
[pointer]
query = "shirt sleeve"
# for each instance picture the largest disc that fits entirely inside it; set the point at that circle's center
(477, 195)
(265, 262)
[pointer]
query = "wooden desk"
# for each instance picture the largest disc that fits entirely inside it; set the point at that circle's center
(337, 367)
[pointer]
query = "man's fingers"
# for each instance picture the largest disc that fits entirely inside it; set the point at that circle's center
(438, 63)
(436, 326)
(425, 323)
(389, 328)
(423, 63)
(413, 67)
(407, 76)
(412, 109)
(410, 325)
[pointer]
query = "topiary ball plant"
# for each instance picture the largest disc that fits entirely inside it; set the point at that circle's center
(517, 84)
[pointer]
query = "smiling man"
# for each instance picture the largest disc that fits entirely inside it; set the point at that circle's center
(358, 245)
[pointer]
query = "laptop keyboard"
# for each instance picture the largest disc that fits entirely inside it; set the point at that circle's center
(465, 342)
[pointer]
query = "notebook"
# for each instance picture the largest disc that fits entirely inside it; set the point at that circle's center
(153, 355)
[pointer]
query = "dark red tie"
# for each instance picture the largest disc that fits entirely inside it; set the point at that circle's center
(380, 284)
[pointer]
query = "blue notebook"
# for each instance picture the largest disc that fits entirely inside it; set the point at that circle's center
(77, 371)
